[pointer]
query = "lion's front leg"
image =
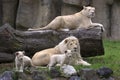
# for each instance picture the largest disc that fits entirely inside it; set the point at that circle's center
(16, 64)
(21, 67)
(97, 25)
(82, 62)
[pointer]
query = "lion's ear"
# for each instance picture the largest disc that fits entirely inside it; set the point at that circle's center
(84, 7)
(66, 41)
(16, 53)
(23, 52)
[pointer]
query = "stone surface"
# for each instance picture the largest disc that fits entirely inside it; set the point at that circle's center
(55, 73)
(110, 78)
(77, 2)
(40, 75)
(106, 13)
(6, 57)
(92, 74)
(74, 78)
(73, 6)
(35, 74)
(115, 21)
(0, 12)
(32, 41)
(68, 70)
(88, 74)
(27, 13)
(36, 13)
(73, 2)
(45, 74)
(7, 75)
(68, 9)
(9, 11)
(104, 72)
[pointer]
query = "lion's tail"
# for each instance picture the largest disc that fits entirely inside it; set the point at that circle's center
(43, 28)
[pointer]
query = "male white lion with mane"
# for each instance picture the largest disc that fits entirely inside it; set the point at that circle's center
(70, 43)
(78, 20)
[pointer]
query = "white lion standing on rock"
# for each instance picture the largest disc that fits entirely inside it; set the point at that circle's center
(78, 20)
(70, 43)
(22, 61)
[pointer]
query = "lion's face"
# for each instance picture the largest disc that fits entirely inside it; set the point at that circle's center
(72, 43)
(19, 55)
(68, 53)
(89, 11)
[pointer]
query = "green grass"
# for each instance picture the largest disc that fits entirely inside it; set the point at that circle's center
(110, 59)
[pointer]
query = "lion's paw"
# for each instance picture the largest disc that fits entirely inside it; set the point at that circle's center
(30, 29)
(100, 25)
(82, 62)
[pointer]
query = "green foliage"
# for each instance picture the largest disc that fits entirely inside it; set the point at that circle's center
(15, 75)
(111, 58)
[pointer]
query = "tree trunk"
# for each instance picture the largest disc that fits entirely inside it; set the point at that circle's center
(32, 41)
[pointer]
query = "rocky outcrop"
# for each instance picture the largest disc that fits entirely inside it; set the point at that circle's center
(36, 13)
(104, 72)
(9, 10)
(7, 75)
(107, 13)
(24, 14)
(12, 40)
(44, 74)
(31, 13)
(91, 74)
(88, 74)
(73, 6)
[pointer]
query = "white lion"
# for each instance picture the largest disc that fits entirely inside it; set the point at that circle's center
(78, 20)
(60, 59)
(22, 61)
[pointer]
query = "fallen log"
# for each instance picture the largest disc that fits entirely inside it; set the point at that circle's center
(12, 40)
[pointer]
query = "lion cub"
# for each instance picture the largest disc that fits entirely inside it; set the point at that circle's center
(21, 61)
(60, 59)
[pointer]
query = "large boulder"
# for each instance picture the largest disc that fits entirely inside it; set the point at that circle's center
(104, 72)
(91, 74)
(88, 74)
(32, 41)
(7, 75)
